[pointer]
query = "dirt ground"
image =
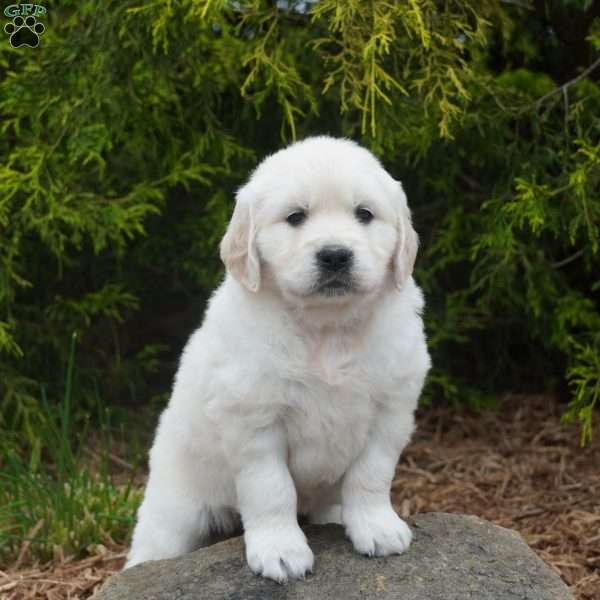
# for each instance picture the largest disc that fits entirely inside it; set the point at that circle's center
(521, 468)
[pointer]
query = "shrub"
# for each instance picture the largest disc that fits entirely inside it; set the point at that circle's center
(125, 133)
(62, 493)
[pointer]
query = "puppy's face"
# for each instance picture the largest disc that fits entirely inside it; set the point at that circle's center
(323, 223)
(328, 238)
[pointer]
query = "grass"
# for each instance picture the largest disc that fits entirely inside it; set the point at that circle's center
(61, 494)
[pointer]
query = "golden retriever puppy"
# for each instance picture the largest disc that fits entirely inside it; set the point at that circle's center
(297, 393)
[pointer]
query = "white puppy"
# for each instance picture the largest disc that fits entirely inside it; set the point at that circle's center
(297, 393)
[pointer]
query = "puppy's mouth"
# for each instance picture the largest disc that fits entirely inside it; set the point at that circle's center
(335, 285)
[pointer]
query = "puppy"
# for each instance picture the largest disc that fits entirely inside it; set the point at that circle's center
(297, 393)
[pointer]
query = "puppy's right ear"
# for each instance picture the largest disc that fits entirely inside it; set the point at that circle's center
(238, 246)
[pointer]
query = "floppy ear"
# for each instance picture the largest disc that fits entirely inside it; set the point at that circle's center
(238, 246)
(408, 242)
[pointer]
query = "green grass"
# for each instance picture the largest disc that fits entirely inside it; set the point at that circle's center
(52, 494)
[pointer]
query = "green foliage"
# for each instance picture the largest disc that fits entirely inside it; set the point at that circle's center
(584, 378)
(54, 495)
(126, 132)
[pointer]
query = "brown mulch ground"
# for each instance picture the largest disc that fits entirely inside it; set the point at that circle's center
(520, 468)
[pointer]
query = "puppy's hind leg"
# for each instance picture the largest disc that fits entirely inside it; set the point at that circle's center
(326, 514)
(169, 524)
(225, 522)
(327, 508)
(174, 517)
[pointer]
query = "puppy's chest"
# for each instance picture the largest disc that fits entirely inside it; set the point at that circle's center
(327, 427)
(329, 406)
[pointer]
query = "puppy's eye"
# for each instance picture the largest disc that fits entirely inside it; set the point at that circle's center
(364, 215)
(296, 218)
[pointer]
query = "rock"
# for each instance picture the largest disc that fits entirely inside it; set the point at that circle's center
(452, 557)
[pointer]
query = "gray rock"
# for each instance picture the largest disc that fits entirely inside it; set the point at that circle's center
(452, 557)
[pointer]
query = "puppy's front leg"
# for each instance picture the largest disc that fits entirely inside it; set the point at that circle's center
(371, 523)
(275, 545)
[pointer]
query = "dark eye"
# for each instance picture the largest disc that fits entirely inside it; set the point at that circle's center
(296, 218)
(364, 215)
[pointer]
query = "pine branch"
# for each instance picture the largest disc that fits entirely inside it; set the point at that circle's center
(565, 86)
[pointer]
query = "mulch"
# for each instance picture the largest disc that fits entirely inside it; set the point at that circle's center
(522, 469)
(519, 467)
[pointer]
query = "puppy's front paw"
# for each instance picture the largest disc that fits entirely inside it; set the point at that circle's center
(377, 531)
(278, 553)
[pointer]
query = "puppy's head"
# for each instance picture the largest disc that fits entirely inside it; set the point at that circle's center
(322, 222)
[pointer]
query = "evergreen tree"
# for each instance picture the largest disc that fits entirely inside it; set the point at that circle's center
(127, 130)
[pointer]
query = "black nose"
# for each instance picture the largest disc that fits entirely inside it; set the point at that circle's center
(334, 258)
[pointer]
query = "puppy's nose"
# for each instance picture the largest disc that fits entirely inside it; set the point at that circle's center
(334, 258)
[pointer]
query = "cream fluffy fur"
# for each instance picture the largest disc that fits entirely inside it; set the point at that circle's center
(292, 399)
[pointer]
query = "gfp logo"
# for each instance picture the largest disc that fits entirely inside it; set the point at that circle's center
(25, 29)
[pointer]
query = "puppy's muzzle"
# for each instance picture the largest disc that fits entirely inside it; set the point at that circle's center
(334, 260)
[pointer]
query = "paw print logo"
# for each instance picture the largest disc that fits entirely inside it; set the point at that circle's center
(24, 32)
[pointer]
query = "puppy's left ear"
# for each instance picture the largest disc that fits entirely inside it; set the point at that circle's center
(238, 246)
(408, 241)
